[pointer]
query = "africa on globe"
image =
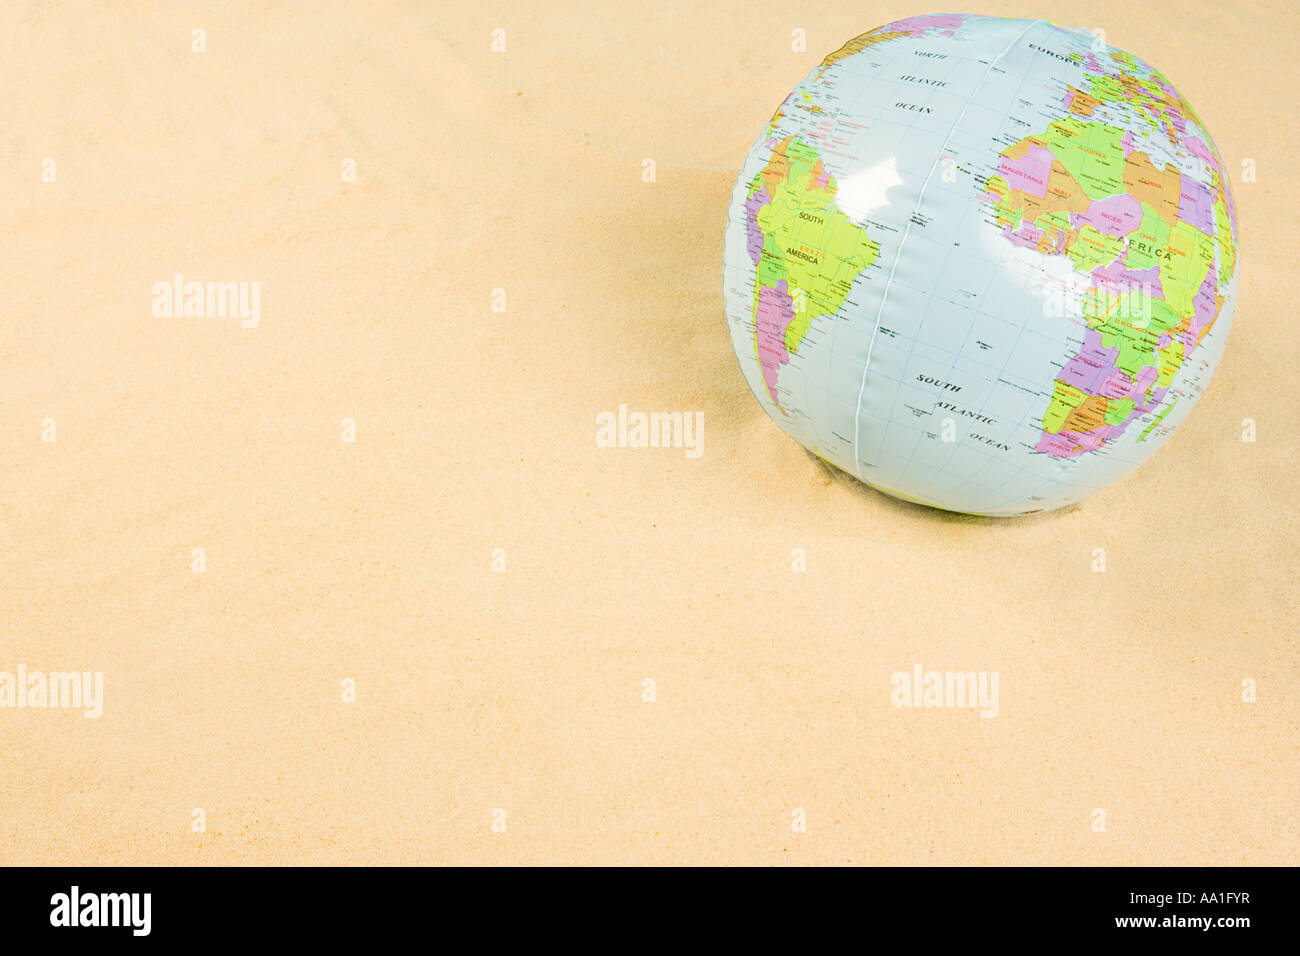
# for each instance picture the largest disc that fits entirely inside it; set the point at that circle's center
(983, 264)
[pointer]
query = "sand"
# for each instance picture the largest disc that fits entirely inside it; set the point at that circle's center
(502, 716)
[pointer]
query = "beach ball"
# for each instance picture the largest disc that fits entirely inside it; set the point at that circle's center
(983, 264)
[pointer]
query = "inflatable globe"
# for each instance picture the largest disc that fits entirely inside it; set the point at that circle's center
(987, 265)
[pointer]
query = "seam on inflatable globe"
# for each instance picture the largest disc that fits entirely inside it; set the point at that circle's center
(907, 230)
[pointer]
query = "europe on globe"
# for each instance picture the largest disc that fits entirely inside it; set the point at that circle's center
(983, 264)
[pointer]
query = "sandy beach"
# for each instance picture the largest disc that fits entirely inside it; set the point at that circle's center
(363, 585)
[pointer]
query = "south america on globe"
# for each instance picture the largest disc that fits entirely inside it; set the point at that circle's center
(983, 264)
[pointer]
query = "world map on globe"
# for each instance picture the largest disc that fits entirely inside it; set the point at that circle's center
(983, 264)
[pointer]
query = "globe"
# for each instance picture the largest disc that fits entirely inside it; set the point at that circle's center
(983, 264)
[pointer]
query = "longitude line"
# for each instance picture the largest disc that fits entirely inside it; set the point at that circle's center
(884, 296)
